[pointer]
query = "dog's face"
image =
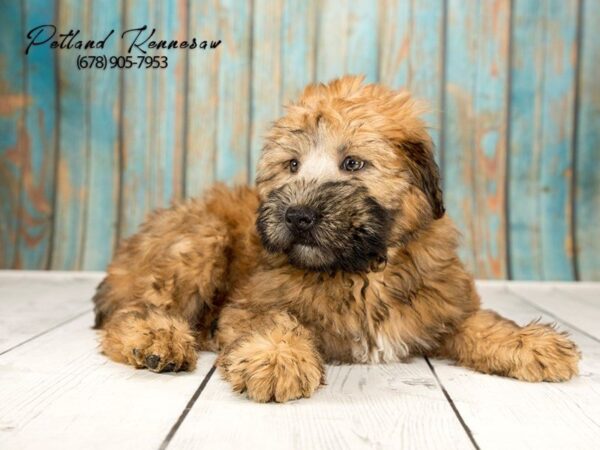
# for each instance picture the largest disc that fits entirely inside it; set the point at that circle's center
(346, 174)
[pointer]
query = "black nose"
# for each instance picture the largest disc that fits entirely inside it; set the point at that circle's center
(300, 218)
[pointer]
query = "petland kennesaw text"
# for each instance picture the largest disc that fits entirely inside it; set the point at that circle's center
(135, 39)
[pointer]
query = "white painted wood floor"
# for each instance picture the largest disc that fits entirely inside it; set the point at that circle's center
(58, 391)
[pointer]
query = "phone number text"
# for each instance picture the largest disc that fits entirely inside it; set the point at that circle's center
(104, 62)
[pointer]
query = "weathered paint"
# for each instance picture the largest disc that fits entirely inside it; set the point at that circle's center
(39, 147)
(362, 53)
(202, 100)
(153, 111)
(13, 101)
(103, 147)
(542, 108)
(475, 129)
(411, 54)
(587, 199)
(297, 47)
(331, 39)
(172, 133)
(266, 73)
(233, 124)
(73, 151)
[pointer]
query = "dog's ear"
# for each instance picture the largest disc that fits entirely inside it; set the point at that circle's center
(426, 174)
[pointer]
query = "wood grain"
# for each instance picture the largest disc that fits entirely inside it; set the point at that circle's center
(153, 112)
(202, 79)
(512, 88)
(13, 101)
(411, 54)
(32, 303)
(363, 39)
(587, 195)
(102, 198)
(233, 122)
(60, 392)
(266, 73)
(504, 413)
(70, 206)
(382, 406)
(574, 306)
(298, 46)
(475, 130)
(331, 39)
(541, 153)
(39, 146)
(85, 400)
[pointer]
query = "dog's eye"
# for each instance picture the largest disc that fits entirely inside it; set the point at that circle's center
(294, 164)
(351, 164)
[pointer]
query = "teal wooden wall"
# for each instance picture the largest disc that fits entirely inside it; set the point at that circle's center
(514, 88)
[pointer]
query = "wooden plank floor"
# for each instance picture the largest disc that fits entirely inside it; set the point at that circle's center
(58, 391)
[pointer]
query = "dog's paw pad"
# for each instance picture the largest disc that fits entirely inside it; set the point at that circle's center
(171, 367)
(152, 361)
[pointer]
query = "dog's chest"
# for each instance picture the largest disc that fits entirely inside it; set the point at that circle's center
(356, 323)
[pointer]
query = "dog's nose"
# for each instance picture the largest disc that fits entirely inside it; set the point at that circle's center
(300, 218)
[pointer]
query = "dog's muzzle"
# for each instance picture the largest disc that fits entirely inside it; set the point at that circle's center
(325, 226)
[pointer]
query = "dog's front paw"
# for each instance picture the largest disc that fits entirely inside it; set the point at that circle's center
(546, 355)
(157, 342)
(275, 366)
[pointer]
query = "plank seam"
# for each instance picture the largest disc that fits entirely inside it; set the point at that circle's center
(443, 99)
(575, 139)
(186, 107)
(120, 134)
(165, 443)
(80, 258)
(249, 111)
(453, 406)
(554, 316)
(507, 159)
(21, 183)
(58, 325)
(52, 231)
(315, 43)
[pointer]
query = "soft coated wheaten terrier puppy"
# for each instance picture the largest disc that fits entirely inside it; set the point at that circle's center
(342, 253)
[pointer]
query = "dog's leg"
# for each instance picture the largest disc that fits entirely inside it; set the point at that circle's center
(161, 294)
(492, 344)
(268, 355)
(149, 337)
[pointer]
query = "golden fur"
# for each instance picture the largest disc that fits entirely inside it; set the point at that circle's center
(377, 279)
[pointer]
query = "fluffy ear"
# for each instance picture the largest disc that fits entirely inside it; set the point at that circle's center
(426, 174)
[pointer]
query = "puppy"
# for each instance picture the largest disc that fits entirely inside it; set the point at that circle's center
(343, 253)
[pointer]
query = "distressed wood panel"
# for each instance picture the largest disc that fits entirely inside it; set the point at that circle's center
(82, 162)
(153, 112)
(39, 146)
(541, 154)
(32, 303)
(101, 219)
(13, 101)
(361, 406)
(70, 205)
(411, 54)
(61, 408)
(504, 413)
(297, 47)
(233, 121)
(331, 39)
(475, 130)
(266, 73)
(347, 39)
(201, 121)
(362, 53)
(587, 195)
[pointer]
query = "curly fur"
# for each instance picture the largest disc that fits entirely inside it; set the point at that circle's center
(376, 278)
